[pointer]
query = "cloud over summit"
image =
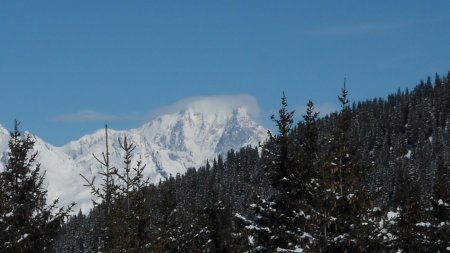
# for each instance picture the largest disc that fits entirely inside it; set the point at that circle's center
(212, 104)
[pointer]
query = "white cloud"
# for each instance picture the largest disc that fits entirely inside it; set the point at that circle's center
(215, 103)
(90, 115)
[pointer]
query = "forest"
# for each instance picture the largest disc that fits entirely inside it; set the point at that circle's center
(371, 177)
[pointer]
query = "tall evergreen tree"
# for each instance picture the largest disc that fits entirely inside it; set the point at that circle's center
(27, 224)
(107, 196)
(305, 150)
(283, 222)
(345, 225)
(135, 214)
(306, 186)
(277, 154)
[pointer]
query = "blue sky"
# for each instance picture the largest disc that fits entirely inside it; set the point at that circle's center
(115, 62)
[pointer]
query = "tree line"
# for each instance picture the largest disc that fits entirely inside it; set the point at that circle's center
(372, 177)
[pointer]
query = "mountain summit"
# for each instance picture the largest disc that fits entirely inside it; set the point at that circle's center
(168, 145)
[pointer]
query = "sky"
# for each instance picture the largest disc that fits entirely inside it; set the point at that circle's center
(69, 67)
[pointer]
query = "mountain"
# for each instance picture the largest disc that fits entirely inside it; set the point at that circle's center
(167, 145)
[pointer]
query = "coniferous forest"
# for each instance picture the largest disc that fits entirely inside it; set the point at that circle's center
(372, 177)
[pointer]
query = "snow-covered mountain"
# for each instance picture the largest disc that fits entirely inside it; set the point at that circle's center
(169, 144)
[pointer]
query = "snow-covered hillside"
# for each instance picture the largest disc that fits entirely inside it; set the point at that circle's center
(169, 144)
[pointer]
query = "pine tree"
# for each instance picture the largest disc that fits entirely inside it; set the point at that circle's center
(132, 203)
(27, 224)
(306, 186)
(107, 197)
(277, 154)
(305, 150)
(345, 205)
(283, 222)
(278, 162)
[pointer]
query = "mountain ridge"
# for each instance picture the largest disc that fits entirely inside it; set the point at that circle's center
(168, 145)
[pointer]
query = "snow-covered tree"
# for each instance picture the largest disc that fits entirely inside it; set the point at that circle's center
(284, 221)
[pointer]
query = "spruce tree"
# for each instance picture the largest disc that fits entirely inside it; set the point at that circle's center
(27, 223)
(132, 209)
(305, 150)
(278, 162)
(107, 196)
(277, 154)
(284, 221)
(345, 203)
(306, 185)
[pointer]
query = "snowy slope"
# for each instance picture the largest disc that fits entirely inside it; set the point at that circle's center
(61, 173)
(62, 178)
(169, 144)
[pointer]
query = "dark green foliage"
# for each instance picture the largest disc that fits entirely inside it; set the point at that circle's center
(276, 155)
(27, 224)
